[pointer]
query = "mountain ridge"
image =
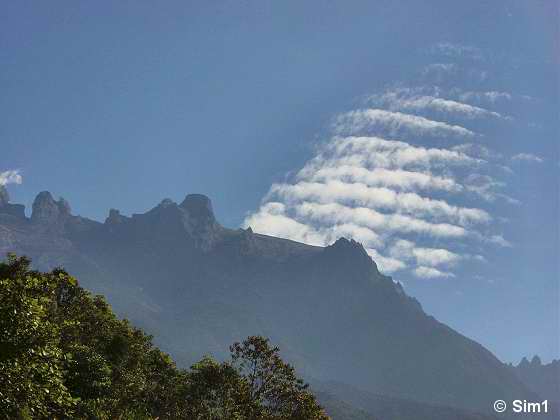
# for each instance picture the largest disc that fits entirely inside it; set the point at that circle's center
(196, 285)
(541, 378)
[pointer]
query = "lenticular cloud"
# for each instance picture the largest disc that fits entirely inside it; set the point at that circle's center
(403, 178)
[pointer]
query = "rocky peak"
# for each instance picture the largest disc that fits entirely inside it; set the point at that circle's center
(344, 246)
(351, 256)
(199, 209)
(200, 222)
(46, 210)
(114, 217)
(536, 361)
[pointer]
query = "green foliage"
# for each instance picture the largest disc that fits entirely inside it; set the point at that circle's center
(31, 358)
(274, 388)
(64, 354)
(255, 384)
(217, 391)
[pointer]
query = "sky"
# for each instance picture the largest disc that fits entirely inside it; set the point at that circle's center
(428, 131)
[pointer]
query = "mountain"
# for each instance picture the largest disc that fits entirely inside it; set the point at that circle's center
(543, 379)
(341, 410)
(198, 286)
(347, 402)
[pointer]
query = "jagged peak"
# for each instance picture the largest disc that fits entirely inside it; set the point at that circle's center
(347, 244)
(114, 217)
(536, 361)
(165, 207)
(47, 210)
(44, 197)
(199, 207)
(350, 250)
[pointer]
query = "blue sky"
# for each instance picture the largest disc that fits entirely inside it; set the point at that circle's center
(440, 119)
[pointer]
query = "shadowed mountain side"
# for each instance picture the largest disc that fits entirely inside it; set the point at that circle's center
(543, 379)
(344, 398)
(346, 402)
(341, 410)
(197, 286)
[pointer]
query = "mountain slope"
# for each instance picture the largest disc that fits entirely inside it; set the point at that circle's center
(197, 286)
(365, 405)
(543, 379)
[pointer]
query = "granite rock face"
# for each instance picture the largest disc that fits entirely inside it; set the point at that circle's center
(48, 211)
(200, 222)
(199, 208)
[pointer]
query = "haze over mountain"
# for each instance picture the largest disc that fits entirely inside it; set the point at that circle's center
(388, 172)
(113, 104)
(198, 286)
(541, 378)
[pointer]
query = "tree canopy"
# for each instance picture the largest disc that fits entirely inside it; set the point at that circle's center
(65, 354)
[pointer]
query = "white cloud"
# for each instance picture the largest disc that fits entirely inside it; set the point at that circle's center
(10, 177)
(386, 264)
(431, 273)
(376, 152)
(499, 240)
(411, 206)
(334, 213)
(527, 157)
(432, 257)
(395, 124)
(369, 189)
(435, 256)
(397, 178)
(478, 151)
(407, 100)
(273, 219)
(379, 198)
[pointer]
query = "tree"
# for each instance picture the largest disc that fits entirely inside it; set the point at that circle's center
(217, 391)
(64, 354)
(31, 362)
(256, 384)
(274, 388)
